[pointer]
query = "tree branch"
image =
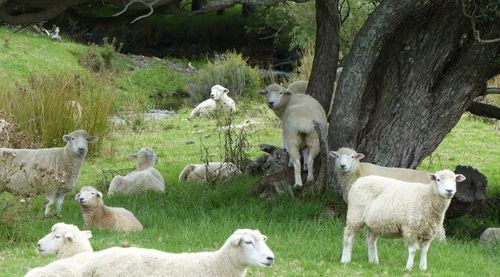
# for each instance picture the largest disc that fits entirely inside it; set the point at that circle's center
(149, 5)
(484, 110)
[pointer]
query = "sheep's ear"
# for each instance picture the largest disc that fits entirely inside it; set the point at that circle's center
(359, 156)
(433, 177)
(226, 91)
(99, 194)
(77, 197)
(66, 138)
(92, 139)
(69, 236)
(86, 234)
(236, 239)
(459, 177)
(287, 92)
(334, 154)
(132, 156)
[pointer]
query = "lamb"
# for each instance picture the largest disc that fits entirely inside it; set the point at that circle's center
(209, 171)
(242, 249)
(299, 86)
(65, 240)
(218, 102)
(393, 208)
(297, 112)
(62, 162)
(348, 169)
(144, 178)
(96, 214)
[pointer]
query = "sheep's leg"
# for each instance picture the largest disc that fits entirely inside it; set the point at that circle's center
(423, 255)
(305, 154)
(313, 151)
(371, 241)
(412, 249)
(49, 201)
(295, 158)
(349, 234)
(60, 199)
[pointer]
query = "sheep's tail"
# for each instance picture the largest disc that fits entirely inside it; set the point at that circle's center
(185, 172)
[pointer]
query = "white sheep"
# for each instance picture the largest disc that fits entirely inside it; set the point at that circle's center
(144, 178)
(67, 267)
(393, 208)
(209, 171)
(219, 102)
(348, 169)
(65, 240)
(297, 112)
(96, 214)
(242, 249)
(63, 163)
(299, 86)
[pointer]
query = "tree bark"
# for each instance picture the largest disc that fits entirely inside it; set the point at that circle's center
(322, 79)
(408, 79)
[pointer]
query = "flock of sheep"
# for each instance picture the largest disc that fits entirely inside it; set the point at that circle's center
(389, 202)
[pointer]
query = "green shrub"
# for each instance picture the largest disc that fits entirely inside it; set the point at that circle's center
(232, 72)
(47, 106)
(91, 59)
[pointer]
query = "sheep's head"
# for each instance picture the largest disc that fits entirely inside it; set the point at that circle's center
(346, 159)
(253, 247)
(146, 158)
(78, 142)
(217, 91)
(276, 96)
(89, 197)
(61, 235)
(446, 182)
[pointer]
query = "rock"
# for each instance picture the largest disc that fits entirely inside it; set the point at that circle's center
(490, 236)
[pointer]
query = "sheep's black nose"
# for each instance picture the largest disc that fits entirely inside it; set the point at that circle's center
(343, 166)
(81, 149)
(449, 190)
(81, 199)
(270, 258)
(270, 104)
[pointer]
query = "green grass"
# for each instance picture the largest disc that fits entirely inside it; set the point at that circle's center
(190, 217)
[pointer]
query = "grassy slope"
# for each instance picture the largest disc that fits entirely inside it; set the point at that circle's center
(189, 217)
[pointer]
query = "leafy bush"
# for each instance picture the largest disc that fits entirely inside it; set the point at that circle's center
(50, 106)
(232, 72)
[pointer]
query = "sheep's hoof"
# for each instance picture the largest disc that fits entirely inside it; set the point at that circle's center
(298, 186)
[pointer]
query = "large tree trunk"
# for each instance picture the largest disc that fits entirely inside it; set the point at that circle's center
(322, 79)
(413, 70)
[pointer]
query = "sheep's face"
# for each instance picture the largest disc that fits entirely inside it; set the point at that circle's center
(253, 247)
(78, 142)
(89, 197)
(346, 159)
(276, 96)
(446, 182)
(146, 158)
(217, 92)
(61, 234)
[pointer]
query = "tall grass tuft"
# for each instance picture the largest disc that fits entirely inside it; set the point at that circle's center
(232, 72)
(50, 106)
(303, 71)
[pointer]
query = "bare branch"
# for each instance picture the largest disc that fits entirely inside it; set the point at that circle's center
(149, 5)
(472, 15)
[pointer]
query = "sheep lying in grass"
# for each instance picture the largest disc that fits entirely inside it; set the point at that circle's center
(62, 163)
(348, 169)
(65, 240)
(219, 102)
(242, 249)
(297, 112)
(393, 208)
(207, 172)
(144, 178)
(96, 214)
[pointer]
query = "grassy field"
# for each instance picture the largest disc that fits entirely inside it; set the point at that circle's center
(190, 217)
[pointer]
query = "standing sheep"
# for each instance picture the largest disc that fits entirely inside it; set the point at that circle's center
(219, 102)
(65, 240)
(297, 112)
(63, 162)
(209, 171)
(96, 214)
(393, 208)
(144, 178)
(242, 249)
(348, 169)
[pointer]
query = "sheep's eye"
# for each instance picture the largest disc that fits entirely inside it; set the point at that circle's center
(352, 157)
(93, 193)
(438, 179)
(248, 242)
(57, 237)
